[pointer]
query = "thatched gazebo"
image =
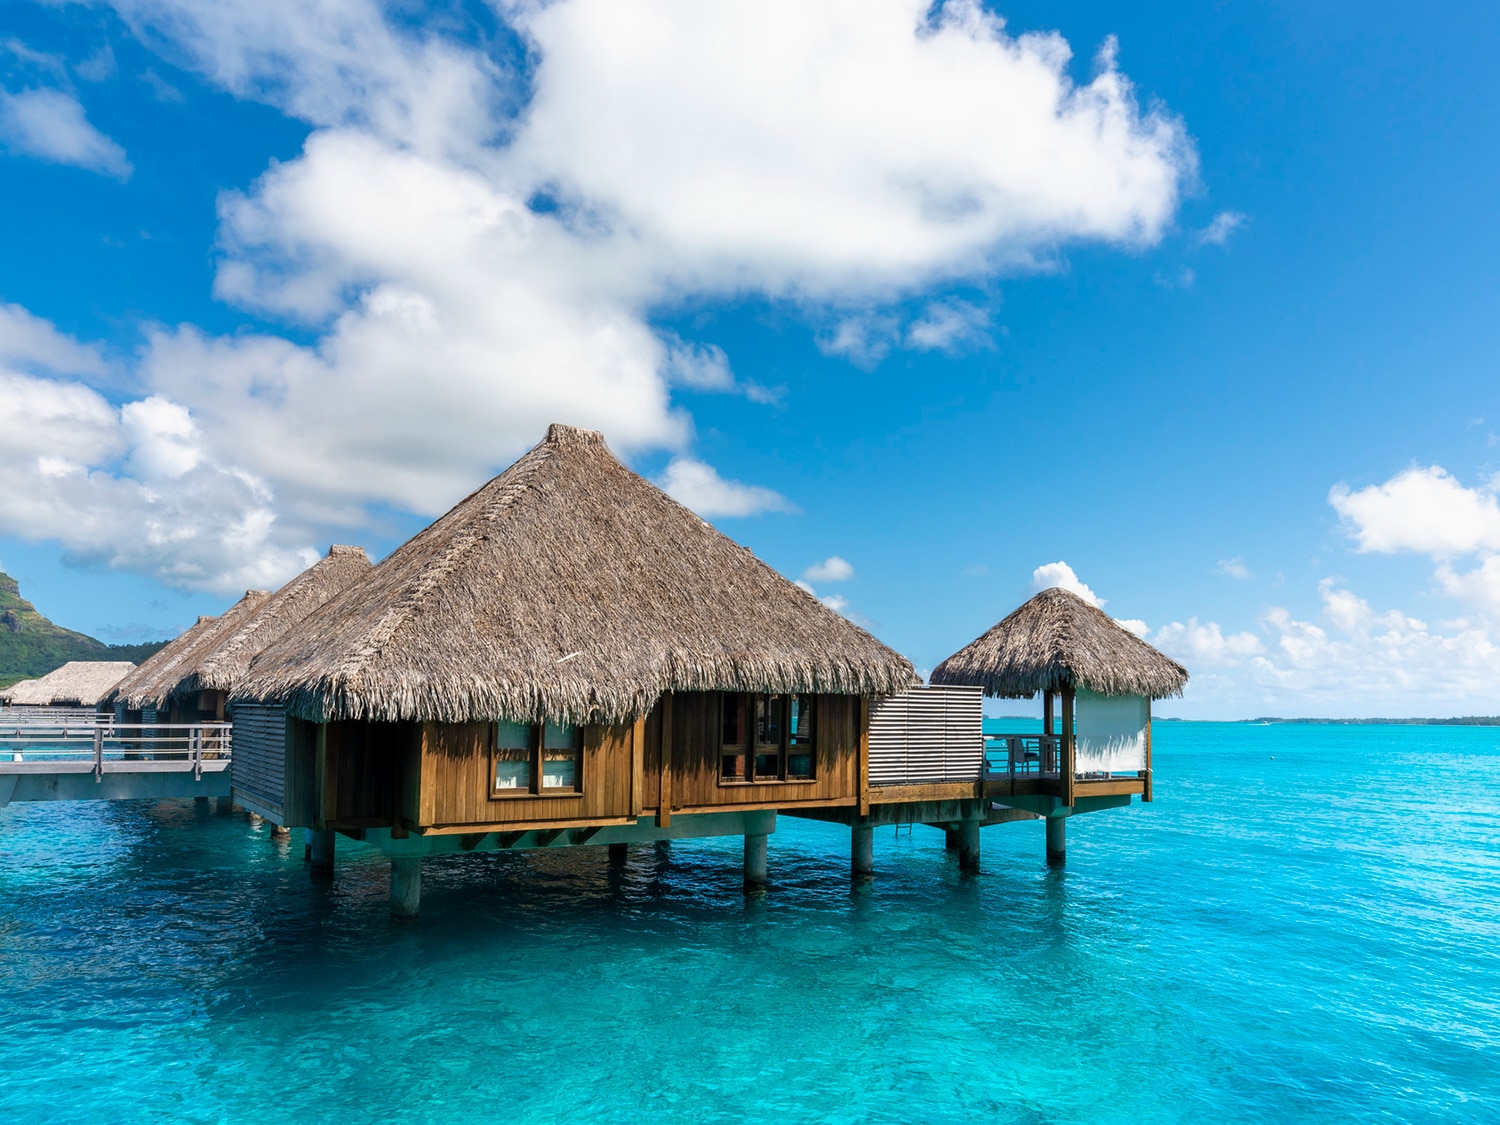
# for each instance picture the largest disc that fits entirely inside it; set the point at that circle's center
(77, 684)
(1059, 645)
(571, 646)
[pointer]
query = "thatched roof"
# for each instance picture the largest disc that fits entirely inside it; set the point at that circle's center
(219, 664)
(78, 683)
(153, 682)
(568, 588)
(1055, 641)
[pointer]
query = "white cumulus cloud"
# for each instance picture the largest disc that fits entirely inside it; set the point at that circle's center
(1060, 574)
(1422, 509)
(700, 487)
(831, 569)
(51, 125)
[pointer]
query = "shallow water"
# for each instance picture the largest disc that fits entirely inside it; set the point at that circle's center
(1303, 926)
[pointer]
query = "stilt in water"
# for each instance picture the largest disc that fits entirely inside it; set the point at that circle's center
(406, 887)
(968, 845)
(755, 861)
(950, 839)
(320, 850)
(861, 851)
(619, 853)
(1057, 841)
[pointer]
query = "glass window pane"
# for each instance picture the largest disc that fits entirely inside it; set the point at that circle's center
(799, 765)
(734, 719)
(513, 769)
(768, 765)
(513, 736)
(800, 724)
(561, 737)
(767, 721)
(560, 769)
(732, 767)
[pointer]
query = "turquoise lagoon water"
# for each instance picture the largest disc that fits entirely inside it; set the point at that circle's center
(1303, 927)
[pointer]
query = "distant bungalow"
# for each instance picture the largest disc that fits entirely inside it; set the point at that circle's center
(570, 656)
(79, 685)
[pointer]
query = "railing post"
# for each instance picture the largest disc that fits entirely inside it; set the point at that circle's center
(98, 754)
(195, 742)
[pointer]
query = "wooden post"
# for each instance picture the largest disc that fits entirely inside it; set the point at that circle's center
(864, 756)
(638, 766)
(664, 793)
(1146, 773)
(861, 850)
(968, 845)
(1069, 778)
(406, 887)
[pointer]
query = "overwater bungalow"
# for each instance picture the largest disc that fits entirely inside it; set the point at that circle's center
(1096, 680)
(569, 656)
(134, 686)
(74, 690)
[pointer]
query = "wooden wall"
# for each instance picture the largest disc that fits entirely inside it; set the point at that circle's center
(454, 787)
(695, 758)
(436, 776)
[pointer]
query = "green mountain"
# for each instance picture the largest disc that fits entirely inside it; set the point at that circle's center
(32, 646)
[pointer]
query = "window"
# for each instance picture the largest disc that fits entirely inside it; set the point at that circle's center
(732, 755)
(513, 757)
(562, 753)
(531, 760)
(799, 740)
(768, 725)
(766, 738)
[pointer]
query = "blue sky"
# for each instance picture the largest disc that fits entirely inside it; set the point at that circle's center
(1205, 312)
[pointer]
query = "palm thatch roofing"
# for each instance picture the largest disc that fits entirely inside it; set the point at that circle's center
(567, 588)
(152, 684)
(217, 665)
(78, 683)
(1055, 641)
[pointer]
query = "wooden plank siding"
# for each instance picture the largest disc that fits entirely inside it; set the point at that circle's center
(436, 777)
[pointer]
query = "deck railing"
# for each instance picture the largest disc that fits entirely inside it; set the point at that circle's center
(1015, 756)
(28, 739)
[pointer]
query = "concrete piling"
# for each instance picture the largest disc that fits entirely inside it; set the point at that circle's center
(755, 861)
(320, 850)
(950, 839)
(618, 854)
(861, 851)
(968, 845)
(1057, 841)
(406, 887)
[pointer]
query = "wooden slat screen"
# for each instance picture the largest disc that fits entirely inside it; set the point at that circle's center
(259, 765)
(929, 735)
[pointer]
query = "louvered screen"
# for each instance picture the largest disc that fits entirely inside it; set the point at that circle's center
(258, 767)
(929, 735)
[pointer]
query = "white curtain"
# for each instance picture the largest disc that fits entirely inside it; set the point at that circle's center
(1111, 732)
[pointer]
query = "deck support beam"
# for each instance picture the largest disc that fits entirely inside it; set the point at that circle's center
(406, 887)
(320, 849)
(1057, 841)
(755, 860)
(968, 845)
(861, 851)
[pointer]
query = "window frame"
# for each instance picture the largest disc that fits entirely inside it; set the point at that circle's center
(537, 748)
(749, 748)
